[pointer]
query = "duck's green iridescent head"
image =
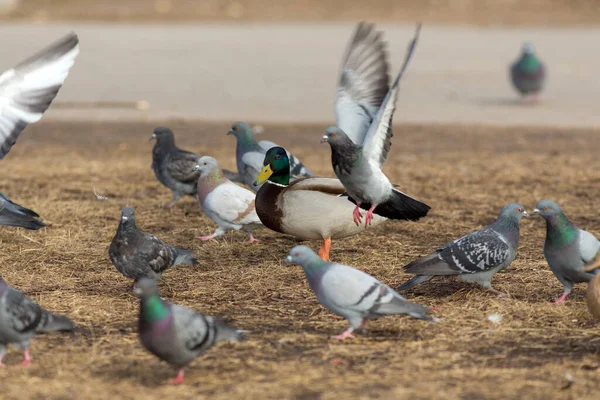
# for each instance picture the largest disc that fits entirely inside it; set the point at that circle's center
(276, 167)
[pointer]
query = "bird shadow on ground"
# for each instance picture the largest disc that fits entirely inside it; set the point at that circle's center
(504, 101)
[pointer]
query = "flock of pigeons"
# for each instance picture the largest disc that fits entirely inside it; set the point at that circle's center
(284, 196)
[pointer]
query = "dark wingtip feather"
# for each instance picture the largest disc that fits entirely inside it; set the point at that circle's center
(414, 281)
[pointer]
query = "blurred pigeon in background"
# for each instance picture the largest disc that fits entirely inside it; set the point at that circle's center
(528, 73)
(12, 214)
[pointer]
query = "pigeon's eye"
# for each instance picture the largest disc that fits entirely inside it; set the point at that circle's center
(235, 127)
(334, 134)
(546, 208)
(297, 254)
(205, 163)
(519, 209)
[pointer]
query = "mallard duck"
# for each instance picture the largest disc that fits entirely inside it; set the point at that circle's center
(593, 293)
(309, 208)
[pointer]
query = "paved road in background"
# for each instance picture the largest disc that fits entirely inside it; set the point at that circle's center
(286, 72)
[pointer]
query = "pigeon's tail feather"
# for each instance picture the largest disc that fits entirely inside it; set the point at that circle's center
(227, 332)
(184, 256)
(20, 220)
(414, 281)
(57, 323)
(399, 206)
(400, 305)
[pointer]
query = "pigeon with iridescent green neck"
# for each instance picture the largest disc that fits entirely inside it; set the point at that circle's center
(567, 248)
(176, 334)
(249, 155)
(351, 293)
(528, 73)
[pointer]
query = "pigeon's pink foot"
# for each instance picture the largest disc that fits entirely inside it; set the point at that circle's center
(347, 334)
(26, 359)
(2, 365)
(253, 239)
(208, 237)
(369, 217)
(179, 379)
(561, 299)
(364, 324)
(356, 214)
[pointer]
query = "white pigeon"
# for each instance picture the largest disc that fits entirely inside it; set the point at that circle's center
(229, 205)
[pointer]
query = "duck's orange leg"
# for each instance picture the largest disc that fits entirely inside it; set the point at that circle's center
(324, 250)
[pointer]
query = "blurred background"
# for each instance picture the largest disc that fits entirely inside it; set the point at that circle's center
(277, 61)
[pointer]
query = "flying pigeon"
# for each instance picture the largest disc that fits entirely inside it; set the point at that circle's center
(250, 155)
(21, 319)
(176, 334)
(12, 214)
(528, 73)
(358, 166)
(567, 248)
(229, 205)
(137, 254)
(351, 293)
(475, 257)
(27, 90)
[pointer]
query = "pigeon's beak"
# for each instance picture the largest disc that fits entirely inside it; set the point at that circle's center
(264, 175)
(526, 214)
(288, 260)
(230, 133)
(152, 137)
(137, 291)
(535, 212)
(124, 218)
(324, 139)
(197, 167)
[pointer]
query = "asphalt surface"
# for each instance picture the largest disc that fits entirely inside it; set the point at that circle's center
(287, 72)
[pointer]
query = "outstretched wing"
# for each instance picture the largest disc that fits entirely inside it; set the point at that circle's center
(27, 90)
(363, 82)
(378, 140)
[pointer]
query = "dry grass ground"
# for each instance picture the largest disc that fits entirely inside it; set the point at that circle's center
(509, 12)
(465, 173)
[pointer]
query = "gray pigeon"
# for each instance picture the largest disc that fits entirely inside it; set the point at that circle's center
(176, 334)
(137, 254)
(12, 214)
(249, 156)
(351, 293)
(363, 82)
(567, 248)
(358, 166)
(21, 319)
(27, 90)
(475, 257)
(173, 167)
(528, 73)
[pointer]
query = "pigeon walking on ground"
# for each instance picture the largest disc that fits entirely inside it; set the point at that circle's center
(173, 167)
(358, 165)
(229, 205)
(176, 334)
(250, 154)
(528, 73)
(137, 254)
(351, 293)
(567, 248)
(12, 214)
(27, 90)
(21, 319)
(475, 257)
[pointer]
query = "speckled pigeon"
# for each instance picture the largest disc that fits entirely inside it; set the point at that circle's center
(137, 254)
(176, 334)
(567, 248)
(475, 257)
(250, 154)
(351, 293)
(358, 166)
(21, 319)
(12, 214)
(27, 90)
(528, 73)
(229, 205)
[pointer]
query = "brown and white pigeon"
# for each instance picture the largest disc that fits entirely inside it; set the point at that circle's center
(21, 319)
(176, 334)
(137, 254)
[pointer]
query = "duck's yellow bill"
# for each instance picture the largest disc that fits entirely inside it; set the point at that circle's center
(264, 175)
